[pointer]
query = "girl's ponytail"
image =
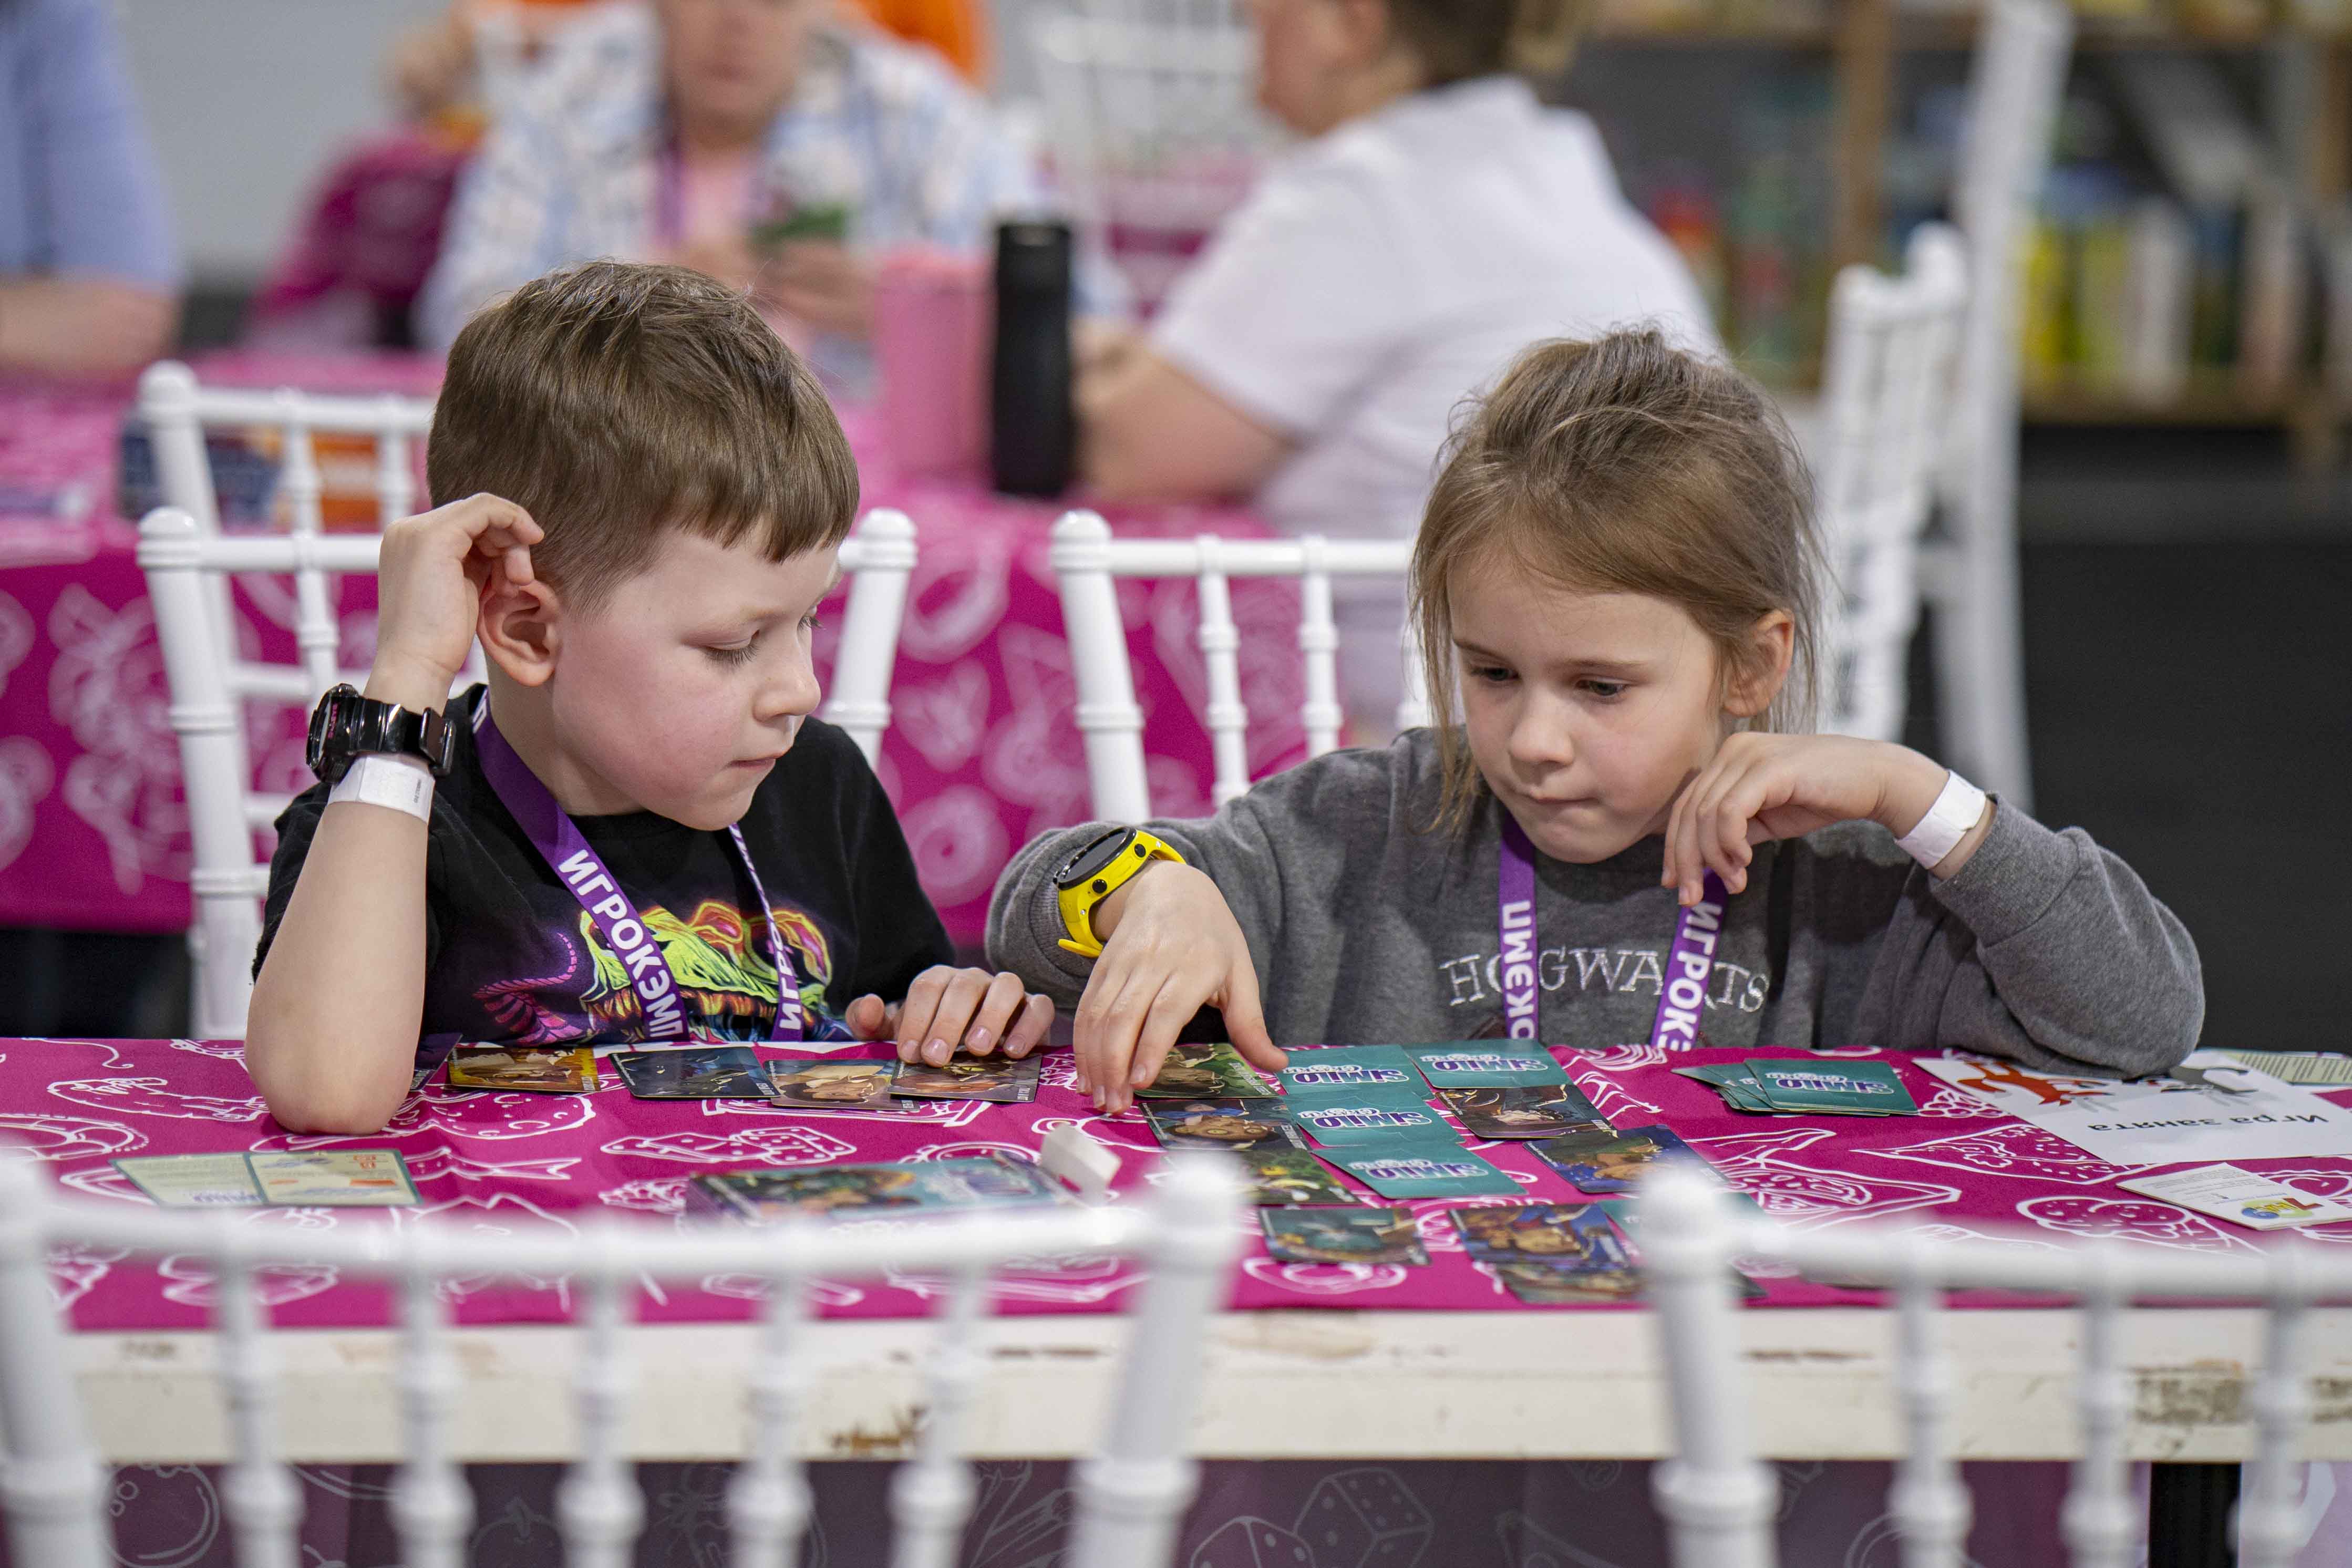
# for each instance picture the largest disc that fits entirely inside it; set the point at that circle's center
(1544, 34)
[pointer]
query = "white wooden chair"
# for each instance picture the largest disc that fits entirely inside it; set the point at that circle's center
(1886, 394)
(1151, 113)
(1086, 559)
(1719, 1502)
(187, 565)
(1970, 573)
(1131, 1495)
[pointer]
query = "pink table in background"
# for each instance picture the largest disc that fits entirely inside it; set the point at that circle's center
(981, 751)
(506, 1164)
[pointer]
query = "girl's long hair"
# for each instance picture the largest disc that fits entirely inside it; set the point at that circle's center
(1623, 465)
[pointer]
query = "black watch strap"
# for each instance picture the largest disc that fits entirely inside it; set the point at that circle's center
(346, 726)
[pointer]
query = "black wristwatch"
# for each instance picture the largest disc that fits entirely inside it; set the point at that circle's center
(346, 726)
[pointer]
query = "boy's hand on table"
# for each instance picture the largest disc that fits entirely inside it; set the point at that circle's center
(430, 579)
(950, 1008)
(1170, 947)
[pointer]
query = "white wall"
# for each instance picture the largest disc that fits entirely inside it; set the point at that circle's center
(247, 101)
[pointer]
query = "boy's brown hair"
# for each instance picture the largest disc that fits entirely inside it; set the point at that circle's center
(1625, 465)
(1456, 40)
(614, 401)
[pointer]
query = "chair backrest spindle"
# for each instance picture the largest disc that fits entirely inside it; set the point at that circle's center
(1318, 645)
(431, 1506)
(52, 1486)
(931, 1497)
(1929, 1504)
(598, 1505)
(1221, 644)
(263, 1503)
(2270, 1525)
(768, 1502)
(2099, 1519)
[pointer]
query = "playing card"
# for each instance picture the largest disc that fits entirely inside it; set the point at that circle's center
(1350, 1066)
(2298, 1066)
(831, 1085)
(2241, 1197)
(1219, 1123)
(1002, 1079)
(996, 1177)
(1348, 1118)
(693, 1072)
(1402, 1168)
(194, 1180)
(1546, 1111)
(1205, 1072)
(1487, 1063)
(1598, 1161)
(1548, 1285)
(1833, 1088)
(316, 1178)
(1277, 1173)
(1353, 1234)
(1557, 1233)
(768, 1196)
(532, 1069)
(1734, 1083)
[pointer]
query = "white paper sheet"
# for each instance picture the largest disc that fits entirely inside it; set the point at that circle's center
(2212, 1108)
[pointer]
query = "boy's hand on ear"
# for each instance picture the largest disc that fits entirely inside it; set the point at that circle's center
(947, 1009)
(1174, 947)
(1761, 787)
(430, 578)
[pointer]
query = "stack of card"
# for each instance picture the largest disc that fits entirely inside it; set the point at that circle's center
(305, 1178)
(1801, 1088)
(1547, 1254)
(1368, 1108)
(765, 1196)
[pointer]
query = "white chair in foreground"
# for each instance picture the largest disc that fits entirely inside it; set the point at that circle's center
(1886, 395)
(1131, 1497)
(1086, 559)
(186, 566)
(1719, 1502)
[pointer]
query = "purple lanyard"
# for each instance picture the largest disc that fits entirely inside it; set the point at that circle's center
(1682, 990)
(559, 843)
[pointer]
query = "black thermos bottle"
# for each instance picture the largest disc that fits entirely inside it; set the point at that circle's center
(1034, 422)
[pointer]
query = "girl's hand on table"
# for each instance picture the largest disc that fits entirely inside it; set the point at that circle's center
(948, 1008)
(1170, 947)
(1760, 787)
(431, 575)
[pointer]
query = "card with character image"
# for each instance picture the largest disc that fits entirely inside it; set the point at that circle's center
(1220, 1124)
(995, 1177)
(1351, 1066)
(1545, 1111)
(833, 1085)
(528, 1069)
(1610, 1163)
(1003, 1080)
(765, 1196)
(1205, 1072)
(1279, 1175)
(1578, 1235)
(693, 1072)
(1353, 1234)
(1549, 1285)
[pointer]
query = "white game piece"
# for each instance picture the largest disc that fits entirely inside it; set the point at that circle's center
(1071, 1155)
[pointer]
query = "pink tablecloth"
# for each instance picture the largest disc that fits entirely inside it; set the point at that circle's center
(517, 1160)
(981, 751)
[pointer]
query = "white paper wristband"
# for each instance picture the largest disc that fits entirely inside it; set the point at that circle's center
(1956, 811)
(403, 784)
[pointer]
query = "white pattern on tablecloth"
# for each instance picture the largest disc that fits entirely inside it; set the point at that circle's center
(108, 687)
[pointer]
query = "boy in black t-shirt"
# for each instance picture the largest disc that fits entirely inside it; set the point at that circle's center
(638, 833)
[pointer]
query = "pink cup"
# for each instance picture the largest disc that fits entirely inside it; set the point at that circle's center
(933, 314)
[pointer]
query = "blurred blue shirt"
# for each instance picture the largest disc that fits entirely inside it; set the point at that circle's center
(79, 194)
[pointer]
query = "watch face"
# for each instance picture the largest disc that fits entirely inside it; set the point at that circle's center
(326, 720)
(1090, 860)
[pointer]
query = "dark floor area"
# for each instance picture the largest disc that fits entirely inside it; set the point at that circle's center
(2189, 650)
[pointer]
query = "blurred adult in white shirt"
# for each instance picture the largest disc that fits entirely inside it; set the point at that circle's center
(1437, 221)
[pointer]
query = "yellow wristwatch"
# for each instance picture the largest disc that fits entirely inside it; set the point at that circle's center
(1097, 870)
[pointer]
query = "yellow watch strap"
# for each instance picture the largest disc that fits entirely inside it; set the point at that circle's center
(1078, 904)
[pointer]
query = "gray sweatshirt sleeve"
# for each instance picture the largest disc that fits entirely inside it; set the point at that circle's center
(2046, 949)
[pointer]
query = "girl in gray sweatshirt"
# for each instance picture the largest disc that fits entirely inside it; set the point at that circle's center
(1619, 830)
